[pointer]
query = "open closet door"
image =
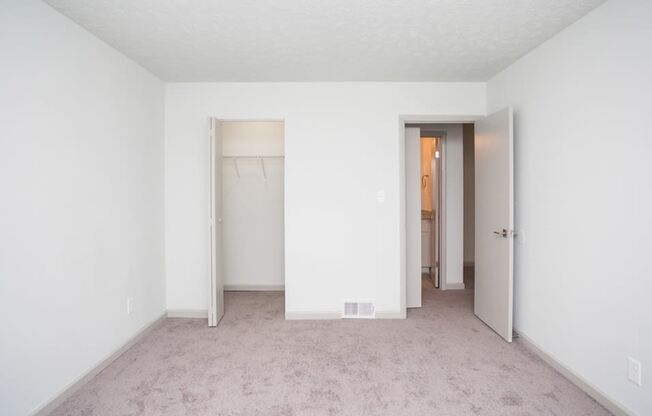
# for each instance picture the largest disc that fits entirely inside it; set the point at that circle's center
(413, 215)
(494, 221)
(216, 298)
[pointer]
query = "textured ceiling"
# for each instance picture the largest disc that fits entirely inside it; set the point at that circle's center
(324, 40)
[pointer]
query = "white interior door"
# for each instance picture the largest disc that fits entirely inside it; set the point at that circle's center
(494, 221)
(413, 215)
(216, 287)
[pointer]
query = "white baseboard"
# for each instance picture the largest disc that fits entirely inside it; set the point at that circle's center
(296, 316)
(254, 288)
(599, 396)
(290, 316)
(187, 313)
(84, 378)
(455, 286)
(391, 315)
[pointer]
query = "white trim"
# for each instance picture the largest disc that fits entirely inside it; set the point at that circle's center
(402, 213)
(618, 409)
(254, 119)
(454, 286)
(188, 313)
(292, 316)
(297, 316)
(72, 387)
(443, 213)
(391, 315)
(439, 119)
(254, 288)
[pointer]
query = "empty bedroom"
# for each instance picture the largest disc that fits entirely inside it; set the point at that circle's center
(306, 208)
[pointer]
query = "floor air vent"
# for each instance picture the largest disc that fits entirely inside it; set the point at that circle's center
(359, 310)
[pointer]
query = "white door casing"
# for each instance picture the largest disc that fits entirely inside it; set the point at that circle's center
(216, 278)
(413, 215)
(494, 221)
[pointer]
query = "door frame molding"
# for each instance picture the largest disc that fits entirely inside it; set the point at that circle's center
(402, 121)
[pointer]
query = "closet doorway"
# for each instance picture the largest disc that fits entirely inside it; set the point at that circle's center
(246, 209)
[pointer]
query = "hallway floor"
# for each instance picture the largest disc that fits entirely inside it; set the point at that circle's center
(440, 361)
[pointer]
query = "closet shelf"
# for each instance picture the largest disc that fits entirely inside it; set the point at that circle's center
(252, 157)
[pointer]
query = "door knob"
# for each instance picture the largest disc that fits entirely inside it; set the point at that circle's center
(502, 233)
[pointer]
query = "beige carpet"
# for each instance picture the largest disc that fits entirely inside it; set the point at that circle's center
(440, 361)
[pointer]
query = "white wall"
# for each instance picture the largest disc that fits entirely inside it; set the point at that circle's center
(413, 246)
(583, 278)
(469, 193)
(254, 138)
(341, 147)
(453, 244)
(81, 179)
(252, 206)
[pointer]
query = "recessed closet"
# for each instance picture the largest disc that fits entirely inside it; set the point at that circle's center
(247, 208)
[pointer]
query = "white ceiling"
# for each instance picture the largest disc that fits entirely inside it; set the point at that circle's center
(324, 40)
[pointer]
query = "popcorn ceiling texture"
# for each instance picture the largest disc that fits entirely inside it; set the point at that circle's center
(317, 40)
(440, 361)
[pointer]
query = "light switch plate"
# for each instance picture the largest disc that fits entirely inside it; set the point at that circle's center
(634, 371)
(520, 236)
(380, 195)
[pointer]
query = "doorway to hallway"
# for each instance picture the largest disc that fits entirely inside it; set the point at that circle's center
(490, 193)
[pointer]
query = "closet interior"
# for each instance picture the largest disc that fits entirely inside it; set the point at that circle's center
(253, 205)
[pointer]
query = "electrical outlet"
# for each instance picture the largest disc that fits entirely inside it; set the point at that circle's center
(634, 371)
(130, 306)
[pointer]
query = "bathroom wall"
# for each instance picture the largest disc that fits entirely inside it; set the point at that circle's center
(427, 176)
(468, 133)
